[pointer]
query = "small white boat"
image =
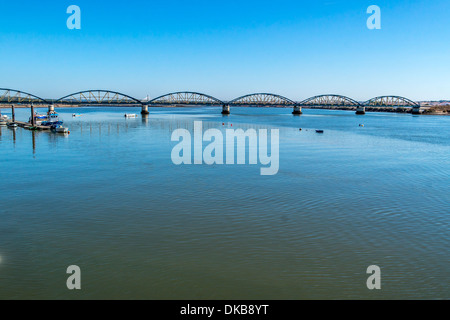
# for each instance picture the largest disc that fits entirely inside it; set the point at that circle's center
(3, 120)
(75, 115)
(62, 130)
(130, 115)
(59, 129)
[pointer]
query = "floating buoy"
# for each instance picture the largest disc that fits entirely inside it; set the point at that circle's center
(361, 125)
(300, 129)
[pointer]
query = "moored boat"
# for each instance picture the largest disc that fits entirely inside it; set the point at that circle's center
(60, 129)
(3, 120)
(52, 120)
(38, 118)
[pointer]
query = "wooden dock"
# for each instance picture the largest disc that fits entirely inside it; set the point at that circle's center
(29, 126)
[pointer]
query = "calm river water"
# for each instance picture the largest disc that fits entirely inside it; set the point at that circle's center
(109, 199)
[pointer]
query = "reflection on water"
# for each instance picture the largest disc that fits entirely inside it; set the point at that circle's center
(108, 199)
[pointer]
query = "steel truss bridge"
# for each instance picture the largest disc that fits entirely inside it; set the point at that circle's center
(113, 98)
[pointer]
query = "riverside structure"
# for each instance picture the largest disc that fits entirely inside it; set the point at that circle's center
(187, 98)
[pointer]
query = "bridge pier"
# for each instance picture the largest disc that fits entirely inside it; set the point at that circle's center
(361, 110)
(145, 110)
(297, 110)
(416, 110)
(226, 109)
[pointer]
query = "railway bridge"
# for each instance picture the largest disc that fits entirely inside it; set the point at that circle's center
(195, 99)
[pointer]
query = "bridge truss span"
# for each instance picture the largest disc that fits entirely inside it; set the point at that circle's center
(330, 100)
(10, 96)
(99, 98)
(391, 101)
(263, 99)
(185, 98)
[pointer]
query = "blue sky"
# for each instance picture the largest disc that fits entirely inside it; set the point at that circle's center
(229, 48)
